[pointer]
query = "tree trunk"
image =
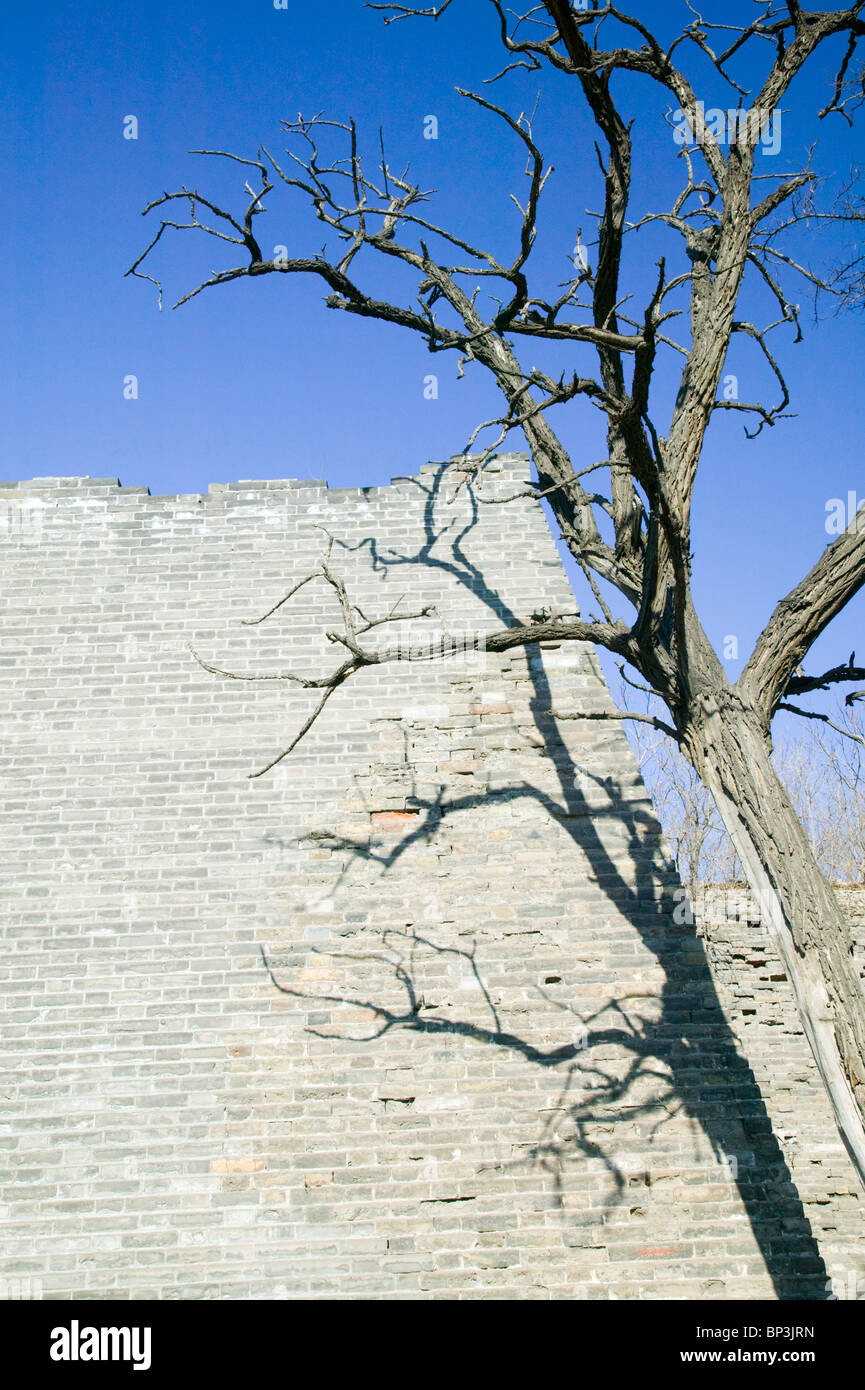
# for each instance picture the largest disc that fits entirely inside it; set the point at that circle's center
(731, 751)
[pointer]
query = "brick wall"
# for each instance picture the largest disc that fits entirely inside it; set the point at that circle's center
(410, 1016)
(758, 1001)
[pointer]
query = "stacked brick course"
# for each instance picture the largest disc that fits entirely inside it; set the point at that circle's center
(757, 1000)
(412, 1015)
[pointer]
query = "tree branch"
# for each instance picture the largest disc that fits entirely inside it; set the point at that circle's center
(799, 619)
(620, 715)
(801, 684)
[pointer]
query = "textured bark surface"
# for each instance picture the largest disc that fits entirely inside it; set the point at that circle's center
(797, 903)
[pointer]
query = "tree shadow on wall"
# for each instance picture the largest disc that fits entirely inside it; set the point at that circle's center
(688, 1050)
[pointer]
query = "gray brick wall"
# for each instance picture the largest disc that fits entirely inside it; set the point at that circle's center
(412, 1015)
(758, 1001)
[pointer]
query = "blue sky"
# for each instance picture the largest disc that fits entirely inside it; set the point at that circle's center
(257, 379)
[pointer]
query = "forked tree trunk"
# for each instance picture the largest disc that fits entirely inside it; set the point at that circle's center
(730, 751)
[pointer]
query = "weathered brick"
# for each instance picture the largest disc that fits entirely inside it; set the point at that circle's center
(409, 1016)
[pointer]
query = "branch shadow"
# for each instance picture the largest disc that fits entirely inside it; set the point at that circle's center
(689, 1050)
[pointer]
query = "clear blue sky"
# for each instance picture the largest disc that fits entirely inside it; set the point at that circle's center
(257, 379)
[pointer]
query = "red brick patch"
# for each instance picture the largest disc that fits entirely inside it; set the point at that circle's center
(393, 821)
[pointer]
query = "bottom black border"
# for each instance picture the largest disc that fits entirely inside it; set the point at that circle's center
(386, 1340)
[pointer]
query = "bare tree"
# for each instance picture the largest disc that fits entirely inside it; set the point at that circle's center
(847, 279)
(823, 769)
(821, 765)
(633, 539)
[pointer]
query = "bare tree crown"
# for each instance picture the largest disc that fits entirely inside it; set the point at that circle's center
(725, 225)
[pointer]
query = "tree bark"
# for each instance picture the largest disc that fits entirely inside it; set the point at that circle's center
(729, 746)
